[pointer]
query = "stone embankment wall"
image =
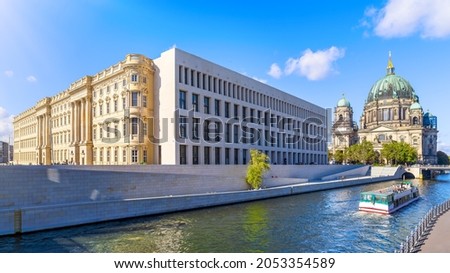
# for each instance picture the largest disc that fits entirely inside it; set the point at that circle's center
(41, 197)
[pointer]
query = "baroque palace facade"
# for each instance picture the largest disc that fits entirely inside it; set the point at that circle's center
(392, 112)
(175, 109)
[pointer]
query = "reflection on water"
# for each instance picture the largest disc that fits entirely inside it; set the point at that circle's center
(326, 221)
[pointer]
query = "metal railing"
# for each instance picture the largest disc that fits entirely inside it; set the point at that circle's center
(420, 233)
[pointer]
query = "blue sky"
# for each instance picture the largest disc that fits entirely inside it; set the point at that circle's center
(314, 49)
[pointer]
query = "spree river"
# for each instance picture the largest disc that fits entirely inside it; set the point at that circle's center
(326, 221)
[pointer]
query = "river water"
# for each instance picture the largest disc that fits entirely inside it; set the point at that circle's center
(326, 221)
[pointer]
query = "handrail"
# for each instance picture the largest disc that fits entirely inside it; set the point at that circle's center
(418, 235)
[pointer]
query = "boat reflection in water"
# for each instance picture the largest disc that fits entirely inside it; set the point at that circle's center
(390, 199)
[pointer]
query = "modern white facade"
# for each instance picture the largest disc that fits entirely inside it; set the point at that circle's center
(215, 116)
(175, 109)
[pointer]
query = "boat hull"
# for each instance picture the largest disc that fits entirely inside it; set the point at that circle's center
(385, 210)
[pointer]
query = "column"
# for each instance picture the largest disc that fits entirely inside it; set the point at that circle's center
(38, 126)
(89, 120)
(72, 123)
(81, 113)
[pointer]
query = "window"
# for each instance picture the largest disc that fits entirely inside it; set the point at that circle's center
(124, 105)
(108, 155)
(195, 128)
(134, 126)
(134, 78)
(115, 105)
(100, 108)
(124, 82)
(236, 111)
(227, 156)
(107, 108)
(107, 131)
(217, 107)
(93, 111)
(101, 155)
(206, 130)
(101, 132)
(134, 98)
(134, 156)
(206, 155)
(195, 102)
(228, 133)
(116, 155)
(144, 156)
(183, 154)
(206, 105)
(227, 109)
(124, 156)
(236, 133)
(183, 126)
(144, 101)
(217, 155)
(144, 79)
(182, 100)
(94, 155)
(195, 155)
(218, 131)
(144, 128)
(124, 129)
(115, 86)
(236, 156)
(116, 131)
(244, 156)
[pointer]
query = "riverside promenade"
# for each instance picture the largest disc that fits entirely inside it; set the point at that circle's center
(438, 240)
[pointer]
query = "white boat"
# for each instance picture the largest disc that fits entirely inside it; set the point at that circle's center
(389, 200)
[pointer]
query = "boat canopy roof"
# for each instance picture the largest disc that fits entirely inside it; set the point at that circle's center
(389, 190)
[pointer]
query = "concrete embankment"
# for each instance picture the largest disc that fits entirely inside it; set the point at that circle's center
(35, 198)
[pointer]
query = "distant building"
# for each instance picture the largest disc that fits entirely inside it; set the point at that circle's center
(11, 153)
(392, 112)
(4, 152)
(175, 109)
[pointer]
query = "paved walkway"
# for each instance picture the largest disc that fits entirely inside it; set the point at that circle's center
(438, 241)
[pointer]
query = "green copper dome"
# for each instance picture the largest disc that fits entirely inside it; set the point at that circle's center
(343, 102)
(391, 86)
(415, 106)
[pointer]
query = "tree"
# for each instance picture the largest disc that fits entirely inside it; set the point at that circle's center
(399, 153)
(258, 165)
(442, 158)
(361, 153)
(339, 156)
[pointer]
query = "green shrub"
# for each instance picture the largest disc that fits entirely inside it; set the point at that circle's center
(258, 165)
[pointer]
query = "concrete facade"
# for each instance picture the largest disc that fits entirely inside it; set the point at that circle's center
(40, 197)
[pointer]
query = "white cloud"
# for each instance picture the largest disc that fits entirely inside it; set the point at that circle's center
(314, 65)
(6, 128)
(31, 78)
(401, 18)
(9, 73)
(275, 71)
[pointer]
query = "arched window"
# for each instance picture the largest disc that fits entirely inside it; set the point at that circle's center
(341, 118)
(415, 121)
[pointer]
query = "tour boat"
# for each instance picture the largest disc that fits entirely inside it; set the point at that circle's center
(389, 199)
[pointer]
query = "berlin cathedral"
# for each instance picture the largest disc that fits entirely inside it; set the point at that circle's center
(392, 112)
